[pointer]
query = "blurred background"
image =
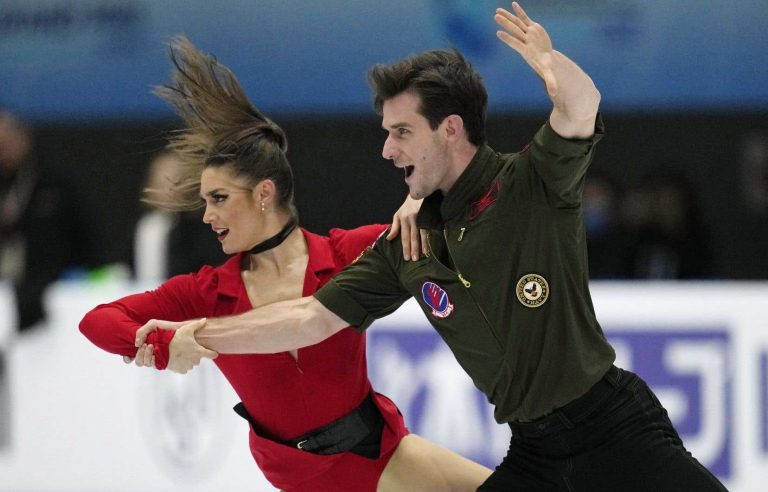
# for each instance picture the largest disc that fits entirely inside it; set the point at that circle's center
(678, 190)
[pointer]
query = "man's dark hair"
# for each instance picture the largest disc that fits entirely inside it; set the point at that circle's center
(445, 82)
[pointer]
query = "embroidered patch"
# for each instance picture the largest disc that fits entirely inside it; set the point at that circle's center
(532, 290)
(485, 201)
(437, 299)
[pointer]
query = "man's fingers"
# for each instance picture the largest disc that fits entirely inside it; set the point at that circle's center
(521, 14)
(127, 359)
(424, 242)
(209, 354)
(510, 41)
(146, 329)
(511, 23)
(197, 324)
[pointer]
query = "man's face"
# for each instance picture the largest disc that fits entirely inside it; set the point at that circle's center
(413, 146)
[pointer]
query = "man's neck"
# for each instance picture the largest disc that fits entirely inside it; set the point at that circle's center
(461, 156)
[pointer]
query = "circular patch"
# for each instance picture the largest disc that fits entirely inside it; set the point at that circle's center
(532, 290)
(436, 298)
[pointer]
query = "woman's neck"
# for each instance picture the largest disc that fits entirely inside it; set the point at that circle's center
(292, 248)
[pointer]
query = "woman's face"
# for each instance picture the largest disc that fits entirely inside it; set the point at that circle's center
(231, 208)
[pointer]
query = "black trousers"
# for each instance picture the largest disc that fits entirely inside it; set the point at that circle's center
(615, 438)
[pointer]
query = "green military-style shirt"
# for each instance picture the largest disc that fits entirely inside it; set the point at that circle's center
(506, 281)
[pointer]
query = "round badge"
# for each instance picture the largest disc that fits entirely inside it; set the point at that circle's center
(532, 290)
(436, 298)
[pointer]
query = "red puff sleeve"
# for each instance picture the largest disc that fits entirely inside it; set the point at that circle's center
(350, 244)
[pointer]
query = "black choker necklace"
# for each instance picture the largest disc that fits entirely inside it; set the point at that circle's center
(276, 239)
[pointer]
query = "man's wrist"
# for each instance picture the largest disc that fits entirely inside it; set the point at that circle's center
(203, 336)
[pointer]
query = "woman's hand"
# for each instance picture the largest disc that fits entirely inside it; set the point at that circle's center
(404, 223)
(145, 356)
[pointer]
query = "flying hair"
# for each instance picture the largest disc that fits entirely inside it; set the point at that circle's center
(221, 128)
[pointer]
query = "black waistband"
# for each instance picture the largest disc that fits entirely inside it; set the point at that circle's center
(574, 412)
(359, 432)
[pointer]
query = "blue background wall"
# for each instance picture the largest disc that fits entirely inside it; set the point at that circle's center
(97, 58)
(684, 85)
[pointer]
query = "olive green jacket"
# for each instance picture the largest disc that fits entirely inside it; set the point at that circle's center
(506, 281)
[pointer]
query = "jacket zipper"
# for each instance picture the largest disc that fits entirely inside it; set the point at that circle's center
(464, 282)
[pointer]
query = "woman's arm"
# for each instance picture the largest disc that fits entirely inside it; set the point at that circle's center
(113, 326)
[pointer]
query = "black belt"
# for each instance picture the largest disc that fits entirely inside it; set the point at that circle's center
(574, 412)
(358, 432)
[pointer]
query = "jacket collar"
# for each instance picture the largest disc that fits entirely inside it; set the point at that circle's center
(473, 182)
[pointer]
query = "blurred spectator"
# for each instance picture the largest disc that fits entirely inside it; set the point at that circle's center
(170, 243)
(666, 232)
(606, 238)
(38, 223)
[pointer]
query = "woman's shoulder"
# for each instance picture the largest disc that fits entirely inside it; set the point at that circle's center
(209, 279)
(356, 240)
(347, 244)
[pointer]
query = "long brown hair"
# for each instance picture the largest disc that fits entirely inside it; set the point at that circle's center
(223, 128)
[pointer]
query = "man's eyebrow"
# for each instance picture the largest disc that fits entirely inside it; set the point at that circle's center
(394, 126)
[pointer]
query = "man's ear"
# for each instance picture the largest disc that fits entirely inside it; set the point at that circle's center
(453, 127)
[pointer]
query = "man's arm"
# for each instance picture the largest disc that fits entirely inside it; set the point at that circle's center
(574, 95)
(362, 292)
(277, 327)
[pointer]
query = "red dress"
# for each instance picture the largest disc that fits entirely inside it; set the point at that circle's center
(286, 397)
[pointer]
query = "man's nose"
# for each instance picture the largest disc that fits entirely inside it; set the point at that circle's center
(388, 151)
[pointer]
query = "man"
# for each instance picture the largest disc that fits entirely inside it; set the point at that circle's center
(505, 283)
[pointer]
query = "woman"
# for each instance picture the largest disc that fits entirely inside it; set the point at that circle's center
(315, 422)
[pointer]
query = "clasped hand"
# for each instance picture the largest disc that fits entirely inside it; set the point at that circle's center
(184, 353)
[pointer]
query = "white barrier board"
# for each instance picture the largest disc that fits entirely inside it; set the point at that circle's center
(80, 420)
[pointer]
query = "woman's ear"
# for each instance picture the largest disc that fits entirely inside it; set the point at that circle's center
(264, 192)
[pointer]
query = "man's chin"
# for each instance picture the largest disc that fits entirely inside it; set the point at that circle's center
(416, 194)
(419, 195)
